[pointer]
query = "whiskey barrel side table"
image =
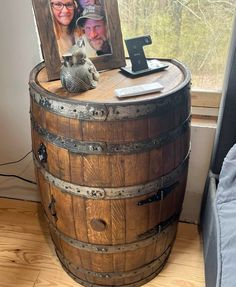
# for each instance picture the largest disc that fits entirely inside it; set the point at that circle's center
(112, 173)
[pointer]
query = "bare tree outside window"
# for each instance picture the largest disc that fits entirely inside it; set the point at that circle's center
(196, 32)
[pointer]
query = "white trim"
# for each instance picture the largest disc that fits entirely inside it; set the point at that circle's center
(200, 111)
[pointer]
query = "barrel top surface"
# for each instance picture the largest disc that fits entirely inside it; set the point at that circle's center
(175, 77)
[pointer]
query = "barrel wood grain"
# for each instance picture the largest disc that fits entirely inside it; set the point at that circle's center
(111, 131)
(23, 224)
(124, 219)
(113, 170)
(125, 240)
(110, 80)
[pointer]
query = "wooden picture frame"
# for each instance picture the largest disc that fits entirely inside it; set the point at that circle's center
(49, 45)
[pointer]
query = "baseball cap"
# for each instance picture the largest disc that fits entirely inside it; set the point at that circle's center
(94, 12)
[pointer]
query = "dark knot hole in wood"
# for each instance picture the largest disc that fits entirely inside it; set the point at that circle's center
(98, 224)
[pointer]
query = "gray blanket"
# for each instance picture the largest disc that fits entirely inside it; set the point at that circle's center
(226, 222)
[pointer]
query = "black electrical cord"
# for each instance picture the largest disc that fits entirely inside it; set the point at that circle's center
(19, 177)
(14, 175)
(13, 162)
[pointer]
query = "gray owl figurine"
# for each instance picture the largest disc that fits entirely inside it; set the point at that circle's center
(77, 72)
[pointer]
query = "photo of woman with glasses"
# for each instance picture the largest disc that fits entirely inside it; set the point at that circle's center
(65, 14)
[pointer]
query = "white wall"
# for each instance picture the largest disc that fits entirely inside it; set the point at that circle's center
(19, 53)
(202, 139)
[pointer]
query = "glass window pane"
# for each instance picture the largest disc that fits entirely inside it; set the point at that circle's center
(195, 32)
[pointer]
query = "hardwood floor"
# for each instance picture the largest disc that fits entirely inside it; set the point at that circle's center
(27, 257)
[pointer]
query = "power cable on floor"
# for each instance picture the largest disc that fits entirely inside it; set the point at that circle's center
(14, 175)
(19, 177)
(19, 160)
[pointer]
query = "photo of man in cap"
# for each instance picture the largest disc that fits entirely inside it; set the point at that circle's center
(93, 23)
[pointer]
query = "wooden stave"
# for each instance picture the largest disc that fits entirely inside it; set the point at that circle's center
(117, 278)
(82, 169)
(80, 129)
(94, 267)
(181, 114)
(87, 280)
(39, 84)
(124, 214)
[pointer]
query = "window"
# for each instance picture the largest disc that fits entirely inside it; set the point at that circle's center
(196, 32)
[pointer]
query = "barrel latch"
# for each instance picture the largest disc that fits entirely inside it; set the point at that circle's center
(42, 153)
(160, 195)
(52, 208)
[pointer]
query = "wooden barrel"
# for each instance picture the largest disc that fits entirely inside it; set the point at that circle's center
(112, 173)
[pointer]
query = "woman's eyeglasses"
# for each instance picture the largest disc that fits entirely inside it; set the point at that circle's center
(59, 5)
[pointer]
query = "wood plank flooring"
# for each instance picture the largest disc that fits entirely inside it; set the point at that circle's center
(27, 257)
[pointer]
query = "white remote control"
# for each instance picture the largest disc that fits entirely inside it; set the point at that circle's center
(138, 90)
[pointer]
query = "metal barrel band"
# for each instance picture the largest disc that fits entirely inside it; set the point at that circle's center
(83, 147)
(160, 227)
(156, 263)
(118, 248)
(114, 193)
(135, 284)
(109, 112)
